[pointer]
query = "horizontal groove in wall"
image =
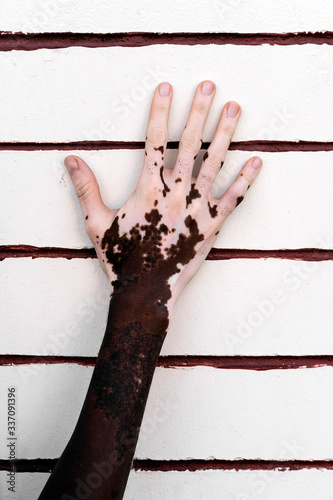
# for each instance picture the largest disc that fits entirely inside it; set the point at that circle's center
(199, 465)
(35, 41)
(17, 251)
(304, 254)
(255, 145)
(258, 363)
(47, 465)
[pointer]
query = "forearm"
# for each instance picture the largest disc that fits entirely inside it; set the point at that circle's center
(100, 451)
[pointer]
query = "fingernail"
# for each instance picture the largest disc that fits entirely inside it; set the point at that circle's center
(72, 165)
(207, 88)
(165, 89)
(232, 109)
(256, 164)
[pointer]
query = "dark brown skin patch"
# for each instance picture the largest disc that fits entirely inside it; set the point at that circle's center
(217, 232)
(155, 203)
(162, 158)
(241, 174)
(123, 216)
(87, 217)
(212, 210)
(97, 237)
(164, 229)
(145, 152)
(155, 163)
(239, 200)
(161, 148)
(178, 179)
(109, 423)
(166, 188)
(205, 156)
(193, 194)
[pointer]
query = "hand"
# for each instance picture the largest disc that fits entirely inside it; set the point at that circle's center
(164, 231)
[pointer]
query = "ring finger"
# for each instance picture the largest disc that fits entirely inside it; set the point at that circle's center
(214, 157)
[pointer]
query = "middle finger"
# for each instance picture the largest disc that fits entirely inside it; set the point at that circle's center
(191, 138)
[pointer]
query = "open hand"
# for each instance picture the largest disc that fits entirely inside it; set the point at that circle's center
(164, 231)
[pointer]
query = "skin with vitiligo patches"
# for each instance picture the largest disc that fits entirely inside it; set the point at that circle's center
(137, 325)
(193, 194)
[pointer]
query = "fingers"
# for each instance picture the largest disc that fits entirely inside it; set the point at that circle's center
(215, 155)
(157, 132)
(191, 138)
(236, 192)
(86, 188)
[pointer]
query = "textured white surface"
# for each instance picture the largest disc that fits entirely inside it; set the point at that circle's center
(197, 412)
(55, 306)
(172, 16)
(80, 93)
(250, 307)
(204, 485)
(288, 206)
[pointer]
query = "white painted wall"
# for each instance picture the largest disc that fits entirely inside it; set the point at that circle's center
(234, 307)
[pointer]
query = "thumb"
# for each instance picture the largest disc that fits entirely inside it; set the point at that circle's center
(86, 187)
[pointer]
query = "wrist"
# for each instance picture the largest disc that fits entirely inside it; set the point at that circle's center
(138, 312)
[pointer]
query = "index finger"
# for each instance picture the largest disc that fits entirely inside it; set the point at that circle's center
(157, 132)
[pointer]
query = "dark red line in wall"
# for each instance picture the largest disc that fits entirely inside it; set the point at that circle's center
(199, 465)
(34, 41)
(17, 251)
(23, 359)
(257, 145)
(47, 465)
(304, 254)
(258, 363)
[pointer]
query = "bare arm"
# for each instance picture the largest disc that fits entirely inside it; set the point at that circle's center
(150, 249)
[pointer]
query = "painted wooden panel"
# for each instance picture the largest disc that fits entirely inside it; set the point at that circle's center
(201, 485)
(105, 93)
(249, 307)
(230, 15)
(197, 412)
(287, 207)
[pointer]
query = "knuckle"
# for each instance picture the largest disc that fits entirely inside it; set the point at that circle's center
(205, 179)
(157, 136)
(213, 161)
(84, 189)
(91, 226)
(224, 211)
(228, 128)
(190, 143)
(232, 195)
(200, 108)
(177, 203)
